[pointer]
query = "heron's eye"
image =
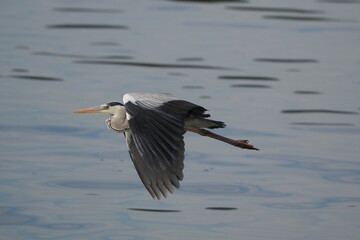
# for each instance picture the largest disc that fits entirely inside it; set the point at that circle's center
(106, 107)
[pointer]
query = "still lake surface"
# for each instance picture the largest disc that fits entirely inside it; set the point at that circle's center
(283, 74)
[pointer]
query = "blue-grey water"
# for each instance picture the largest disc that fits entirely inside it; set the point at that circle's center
(283, 74)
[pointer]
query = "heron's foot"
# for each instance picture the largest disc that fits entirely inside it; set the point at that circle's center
(244, 144)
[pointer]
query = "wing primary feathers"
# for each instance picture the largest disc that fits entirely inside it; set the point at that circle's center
(155, 138)
(157, 181)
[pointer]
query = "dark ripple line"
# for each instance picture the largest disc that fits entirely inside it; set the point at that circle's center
(271, 9)
(152, 65)
(86, 10)
(221, 208)
(249, 86)
(192, 87)
(37, 78)
(291, 111)
(177, 74)
(21, 47)
(69, 55)
(252, 78)
(116, 57)
(297, 18)
(86, 26)
(306, 92)
(52, 54)
(153, 210)
(190, 59)
(286, 60)
(20, 70)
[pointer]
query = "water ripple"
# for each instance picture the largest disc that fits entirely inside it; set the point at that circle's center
(152, 65)
(227, 189)
(329, 29)
(20, 70)
(9, 216)
(69, 55)
(297, 206)
(105, 43)
(272, 9)
(86, 26)
(192, 87)
(353, 178)
(334, 130)
(87, 10)
(306, 92)
(300, 18)
(63, 226)
(37, 78)
(221, 208)
(249, 86)
(313, 205)
(190, 59)
(287, 60)
(153, 210)
(94, 185)
(251, 78)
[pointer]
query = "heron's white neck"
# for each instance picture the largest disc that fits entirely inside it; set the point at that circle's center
(118, 122)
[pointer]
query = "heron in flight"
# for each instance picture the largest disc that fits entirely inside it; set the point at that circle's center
(154, 125)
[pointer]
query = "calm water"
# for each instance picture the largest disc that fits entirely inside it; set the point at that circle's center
(283, 74)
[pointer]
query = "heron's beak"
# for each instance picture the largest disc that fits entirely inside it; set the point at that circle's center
(90, 110)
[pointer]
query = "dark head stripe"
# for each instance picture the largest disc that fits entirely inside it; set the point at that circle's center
(114, 104)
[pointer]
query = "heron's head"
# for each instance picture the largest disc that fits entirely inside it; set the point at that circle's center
(110, 108)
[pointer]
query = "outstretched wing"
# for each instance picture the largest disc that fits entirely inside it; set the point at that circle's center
(155, 139)
(158, 181)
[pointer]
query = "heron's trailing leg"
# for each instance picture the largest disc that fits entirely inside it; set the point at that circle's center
(237, 143)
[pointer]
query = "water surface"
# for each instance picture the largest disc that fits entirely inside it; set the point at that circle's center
(282, 74)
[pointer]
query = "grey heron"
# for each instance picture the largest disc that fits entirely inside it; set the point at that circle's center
(154, 125)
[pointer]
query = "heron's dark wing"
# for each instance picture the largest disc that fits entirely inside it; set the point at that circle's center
(156, 123)
(157, 181)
